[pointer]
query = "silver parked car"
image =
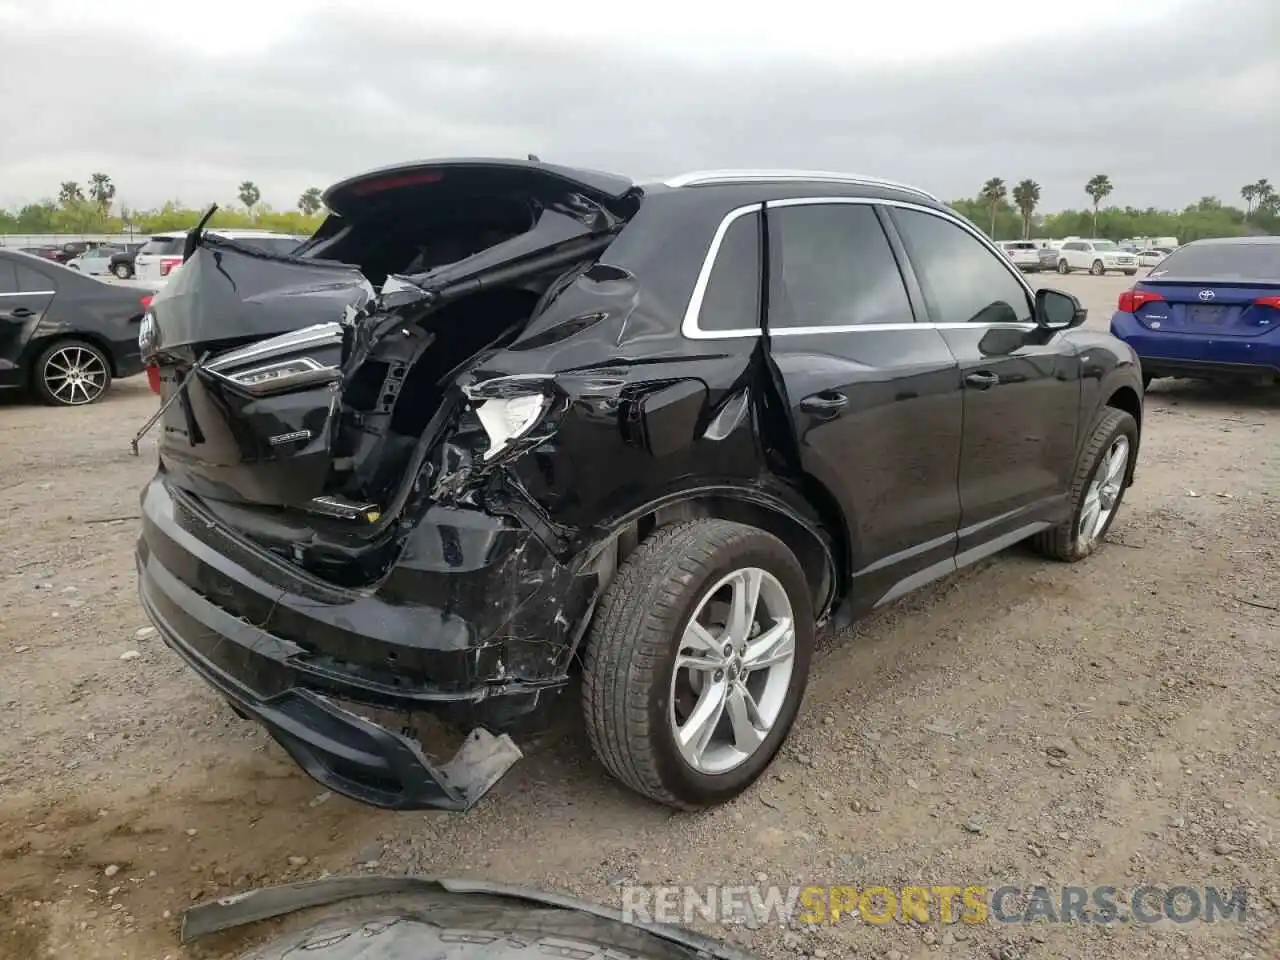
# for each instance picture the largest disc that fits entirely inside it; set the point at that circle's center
(95, 261)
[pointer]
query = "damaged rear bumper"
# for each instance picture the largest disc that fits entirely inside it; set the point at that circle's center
(313, 664)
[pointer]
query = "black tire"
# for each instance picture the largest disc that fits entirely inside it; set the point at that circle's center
(632, 646)
(1097, 269)
(1130, 273)
(1146, 380)
(1063, 541)
(1063, 267)
(122, 271)
(49, 392)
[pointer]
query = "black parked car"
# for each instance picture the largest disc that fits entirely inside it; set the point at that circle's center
(497, 417)
(63, 335)
(122, 261)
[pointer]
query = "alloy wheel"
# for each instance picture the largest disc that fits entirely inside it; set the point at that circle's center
(75, 375)
(1104, 491)
(732, 670)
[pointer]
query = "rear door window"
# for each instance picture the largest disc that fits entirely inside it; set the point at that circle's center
(8, 277)
(831, 265)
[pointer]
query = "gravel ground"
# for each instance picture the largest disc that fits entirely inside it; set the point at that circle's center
(1110, 722)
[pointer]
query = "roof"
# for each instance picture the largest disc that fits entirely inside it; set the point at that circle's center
(1214, 241)
(701, 178)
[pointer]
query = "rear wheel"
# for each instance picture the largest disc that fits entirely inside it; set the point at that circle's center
(122, 270)
(71, 373)
(697, 661)
(1130, 273)
(1097, 490)
(1146, 380)
(1097, 269)
(1063, 267)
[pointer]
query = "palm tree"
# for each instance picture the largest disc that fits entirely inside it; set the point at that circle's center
(1098, 188)
(69, 193)
(310, 202)
(1250, 193)
(249, 195)
(1266, 195)
(992, 195)
(1026, 195)
(102, 191)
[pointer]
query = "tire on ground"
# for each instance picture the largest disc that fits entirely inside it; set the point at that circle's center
(41, 388)
(633, 641)
(1063, 541)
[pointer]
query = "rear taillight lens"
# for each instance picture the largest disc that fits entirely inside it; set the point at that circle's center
(146, 302)
(169, 264)
(1268, 302)
(153, 377)
(1131, 300)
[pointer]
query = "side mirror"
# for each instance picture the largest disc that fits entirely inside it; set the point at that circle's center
(1056, 310)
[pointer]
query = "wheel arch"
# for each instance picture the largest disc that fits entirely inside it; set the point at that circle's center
(817, 540)
(1126, 398)
(38, 345)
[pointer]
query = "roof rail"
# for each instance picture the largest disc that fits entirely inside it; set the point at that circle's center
(703, 177)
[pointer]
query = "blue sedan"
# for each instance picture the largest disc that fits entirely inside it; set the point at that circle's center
(1210, 309)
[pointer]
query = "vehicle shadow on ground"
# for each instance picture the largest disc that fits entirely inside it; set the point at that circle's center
(119, 391)
(1211, 395)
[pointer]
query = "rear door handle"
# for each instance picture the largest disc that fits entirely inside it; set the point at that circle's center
(22, 312)
(982, 380)
(827, 403)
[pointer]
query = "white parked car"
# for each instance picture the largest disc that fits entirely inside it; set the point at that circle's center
(1096, 256)
(162, 254)
(1151, 257)
(1025, 254)
(95, 261)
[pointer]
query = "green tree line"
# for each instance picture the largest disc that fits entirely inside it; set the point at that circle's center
(1005, 214)
(90, 208)
(1012, 215)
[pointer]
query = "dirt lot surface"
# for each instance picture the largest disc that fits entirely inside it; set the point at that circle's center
(1109, 722)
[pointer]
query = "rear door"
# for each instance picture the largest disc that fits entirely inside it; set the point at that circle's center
(25, 295)
(1021, 386)
(874, 395)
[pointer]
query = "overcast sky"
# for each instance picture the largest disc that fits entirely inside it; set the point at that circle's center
(183, 99)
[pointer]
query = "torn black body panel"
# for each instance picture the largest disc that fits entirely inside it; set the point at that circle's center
(505, 479)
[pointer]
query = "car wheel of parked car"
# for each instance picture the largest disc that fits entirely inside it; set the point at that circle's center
(71, 373)
(1130, 273)
(697, 661)
(1097, 269)
(1097, 489)
(1146, 380)
(1063, 267)
(122, 271)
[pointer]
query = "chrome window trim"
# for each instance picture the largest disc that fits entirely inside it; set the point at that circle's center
(705, 177)
(30, 293)
(689, 325)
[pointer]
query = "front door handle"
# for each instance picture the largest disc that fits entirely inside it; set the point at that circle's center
(22, 312)
(825, 404)
(982, 380)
